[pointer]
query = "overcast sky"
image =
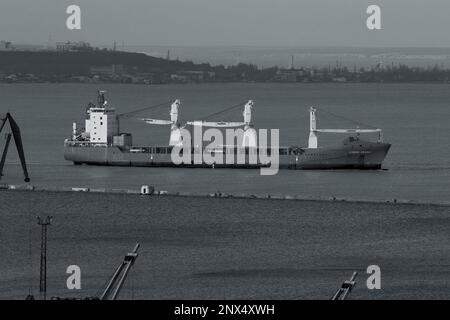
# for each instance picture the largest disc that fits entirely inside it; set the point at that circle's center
(229, 22)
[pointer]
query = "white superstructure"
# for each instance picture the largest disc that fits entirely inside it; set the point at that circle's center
(101, 123)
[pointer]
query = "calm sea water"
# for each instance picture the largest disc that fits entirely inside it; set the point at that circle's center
(414, 118)
(208, 248)
(215, 248)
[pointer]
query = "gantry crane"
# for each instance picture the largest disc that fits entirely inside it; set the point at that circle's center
(15, 133)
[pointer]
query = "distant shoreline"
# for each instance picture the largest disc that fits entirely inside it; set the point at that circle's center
(108, 66)
(231, 82)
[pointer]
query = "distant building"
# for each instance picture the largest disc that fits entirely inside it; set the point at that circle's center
(189, 76)
(149, 77)
(339, 79)
(289, 75)
(12, 78)
(73, 46)
(115, 69)
(6, 46)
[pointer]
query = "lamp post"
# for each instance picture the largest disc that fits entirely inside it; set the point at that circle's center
(43, 222)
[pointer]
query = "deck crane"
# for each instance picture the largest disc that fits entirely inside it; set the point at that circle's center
(15, 133)
(175, 132)
(249, 137)
(313, 138)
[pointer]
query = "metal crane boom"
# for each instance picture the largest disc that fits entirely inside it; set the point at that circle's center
(346, 288)
(115, 284)
(313, 130)
(157, 121)
(227, 124)
(220, 124)
(348, 130)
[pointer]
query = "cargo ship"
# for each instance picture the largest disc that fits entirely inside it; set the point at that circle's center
(100, 142)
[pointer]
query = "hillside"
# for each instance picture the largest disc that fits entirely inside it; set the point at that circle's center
(39, 62)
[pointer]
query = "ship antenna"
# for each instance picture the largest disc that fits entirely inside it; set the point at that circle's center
(101, 97)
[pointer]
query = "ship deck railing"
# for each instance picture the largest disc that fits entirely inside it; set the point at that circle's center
(157, 149)
(86, 144)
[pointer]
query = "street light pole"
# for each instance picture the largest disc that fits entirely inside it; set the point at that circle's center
(43, 270)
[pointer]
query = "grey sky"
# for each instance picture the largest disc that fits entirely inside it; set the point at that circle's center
(229, 22)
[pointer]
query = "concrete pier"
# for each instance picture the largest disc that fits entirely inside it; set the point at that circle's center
(155, 192)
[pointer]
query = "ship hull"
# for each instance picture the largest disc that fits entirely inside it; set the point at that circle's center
(357, 155)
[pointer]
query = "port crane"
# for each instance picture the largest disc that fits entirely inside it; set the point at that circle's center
(15, 133)
(116, 282)
(346, 288)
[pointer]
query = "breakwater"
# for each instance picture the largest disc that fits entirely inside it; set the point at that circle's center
(146, 190)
